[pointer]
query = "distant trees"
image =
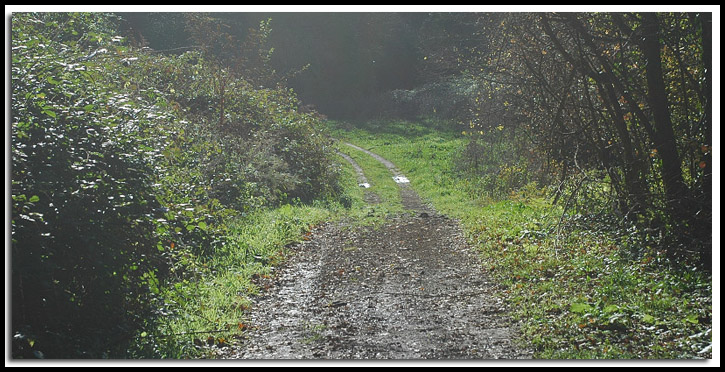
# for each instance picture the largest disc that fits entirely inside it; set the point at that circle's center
(348, 59)
(353, 58)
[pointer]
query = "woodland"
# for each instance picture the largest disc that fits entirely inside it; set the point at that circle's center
(154, 153)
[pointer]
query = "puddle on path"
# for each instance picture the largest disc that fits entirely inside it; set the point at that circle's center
(401, 179)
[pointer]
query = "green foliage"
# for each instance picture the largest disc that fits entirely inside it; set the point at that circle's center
(83, 152)
(214, 302)
(125, 183)
(499, 165)
(447, 99)
(575, 89)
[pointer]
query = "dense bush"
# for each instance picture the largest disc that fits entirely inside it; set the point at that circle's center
(83, 153)
(122, 176)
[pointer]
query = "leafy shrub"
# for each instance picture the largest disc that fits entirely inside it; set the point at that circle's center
(498, 165)
(123, 179)
(83, 159)
(447, 99)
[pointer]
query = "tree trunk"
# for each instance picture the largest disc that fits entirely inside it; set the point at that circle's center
(706, 19)
(664, 139)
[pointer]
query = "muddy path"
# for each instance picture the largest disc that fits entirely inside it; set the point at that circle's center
(409, 289)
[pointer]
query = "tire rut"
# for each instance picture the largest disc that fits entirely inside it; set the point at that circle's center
(410, 198)
(362, 181)
(409, 289)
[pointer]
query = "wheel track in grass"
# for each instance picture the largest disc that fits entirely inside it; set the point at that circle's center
(411, 288)
(369, 196)
(411, 200)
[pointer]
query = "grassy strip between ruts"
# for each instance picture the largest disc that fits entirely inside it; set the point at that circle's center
(380, 180)
(574, 291)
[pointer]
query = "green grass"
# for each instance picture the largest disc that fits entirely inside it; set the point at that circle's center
(571, 286)
(210, 301)
(573, 292)
(380, 179)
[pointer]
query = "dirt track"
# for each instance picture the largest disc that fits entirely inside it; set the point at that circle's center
(410, 289)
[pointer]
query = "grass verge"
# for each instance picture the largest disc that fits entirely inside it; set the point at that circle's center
(573, 288)
(208, 305)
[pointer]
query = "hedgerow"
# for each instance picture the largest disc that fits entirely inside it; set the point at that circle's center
(122, 178)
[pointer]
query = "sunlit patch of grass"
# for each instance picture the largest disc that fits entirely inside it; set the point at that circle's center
(211, 306)
(577, 297)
